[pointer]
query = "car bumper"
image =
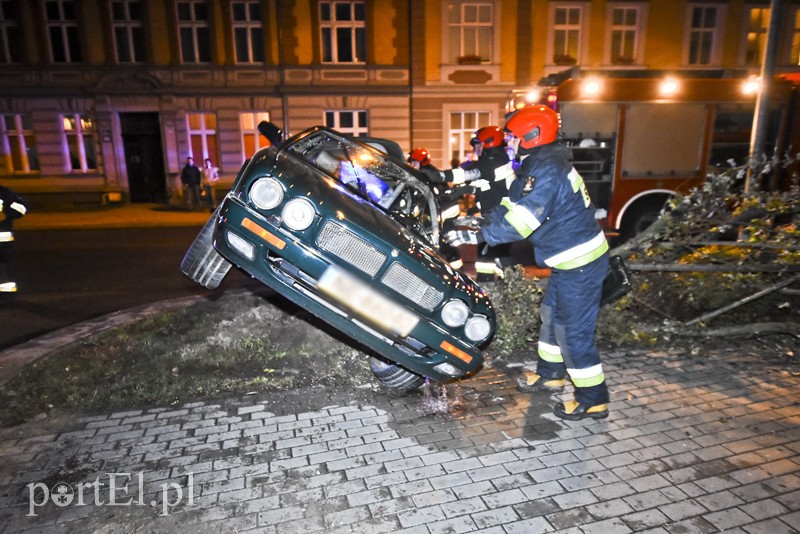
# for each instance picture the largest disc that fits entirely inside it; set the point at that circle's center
(273, 256)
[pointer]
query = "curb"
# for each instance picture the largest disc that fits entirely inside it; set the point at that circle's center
(15, 359)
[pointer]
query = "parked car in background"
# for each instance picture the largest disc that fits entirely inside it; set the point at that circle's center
(351, 235)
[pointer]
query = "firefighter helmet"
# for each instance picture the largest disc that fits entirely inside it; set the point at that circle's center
(421, 156)
(533, 126)
(490, 136)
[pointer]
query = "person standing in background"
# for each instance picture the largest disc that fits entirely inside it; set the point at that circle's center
(190, 178)
(210, 177)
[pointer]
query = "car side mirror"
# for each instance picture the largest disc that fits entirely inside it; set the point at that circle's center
(270, 131)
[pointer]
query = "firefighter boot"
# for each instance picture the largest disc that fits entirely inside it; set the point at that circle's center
(530, 381)
(575, 411)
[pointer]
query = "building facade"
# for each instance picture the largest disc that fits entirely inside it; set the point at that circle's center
(102, 100)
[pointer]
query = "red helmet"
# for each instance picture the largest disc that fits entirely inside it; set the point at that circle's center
(421, 156)
(533, 125)
(490, 136)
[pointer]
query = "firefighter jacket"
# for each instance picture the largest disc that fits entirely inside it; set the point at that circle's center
(491, 175)
(549, 205)
(12, 207)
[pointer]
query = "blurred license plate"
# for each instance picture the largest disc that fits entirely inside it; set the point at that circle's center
(366, 302)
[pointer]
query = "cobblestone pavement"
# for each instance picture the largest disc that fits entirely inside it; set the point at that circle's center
(694, 443)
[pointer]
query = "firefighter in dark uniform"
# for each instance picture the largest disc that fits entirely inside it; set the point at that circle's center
(420, 158)
(491, 175)
(549, 205)
(12, 206)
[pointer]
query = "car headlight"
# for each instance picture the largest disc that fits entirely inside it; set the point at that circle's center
(266, 193)
(478, 328)
(455, 313)
(298, 214)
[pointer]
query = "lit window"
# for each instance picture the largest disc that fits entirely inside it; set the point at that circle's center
(62, 31)
(248, 31)
(566, 28)
(344, 34)
(758, 23)
(625, 23)
(350, 122)
(9, 33)
(126, 21)
(79, 142)
(252, 140)
(193, 31)
(470, 27)
(202, 131)
(703, 35)
(463, 125)
(18, 144)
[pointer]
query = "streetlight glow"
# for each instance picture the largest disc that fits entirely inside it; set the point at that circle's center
(669, 87)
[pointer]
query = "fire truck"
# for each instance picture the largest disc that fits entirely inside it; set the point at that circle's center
(639, 141)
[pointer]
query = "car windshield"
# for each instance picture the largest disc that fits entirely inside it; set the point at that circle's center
(374, 177)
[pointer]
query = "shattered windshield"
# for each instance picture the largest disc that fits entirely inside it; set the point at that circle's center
(375, 178)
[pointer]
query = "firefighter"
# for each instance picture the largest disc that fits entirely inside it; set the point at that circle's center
(549, 205)
(420, 158)
(491, 175)
(12, 206)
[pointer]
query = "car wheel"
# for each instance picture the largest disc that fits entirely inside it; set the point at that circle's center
(202, 263)
(394, 378)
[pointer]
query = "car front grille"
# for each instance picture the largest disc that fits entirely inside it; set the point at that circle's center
(344, 244)
(412, 286)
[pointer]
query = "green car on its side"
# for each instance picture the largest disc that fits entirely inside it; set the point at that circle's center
(351, 235)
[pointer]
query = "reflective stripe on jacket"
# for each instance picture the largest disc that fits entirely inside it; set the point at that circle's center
(554, 212)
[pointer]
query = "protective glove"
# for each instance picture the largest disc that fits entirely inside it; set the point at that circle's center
(473, 222)
(456, 238)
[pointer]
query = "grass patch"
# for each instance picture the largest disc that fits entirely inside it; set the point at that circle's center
(241, 343)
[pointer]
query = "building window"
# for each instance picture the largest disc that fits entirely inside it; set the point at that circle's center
(62, 30)
(9, 33)
(704, 30)
(757, 25)
(19, 144)
(463, 125)
(252, 140)
(193, 31)
(344, 34)
(566, 25)
(625, 39)
(248, 31)
(353, 123)
(202, 131)
(79, 141)
(126, 20)
(470, 30)
(794, 58)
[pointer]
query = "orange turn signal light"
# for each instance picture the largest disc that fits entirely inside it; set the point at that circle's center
(269, 237)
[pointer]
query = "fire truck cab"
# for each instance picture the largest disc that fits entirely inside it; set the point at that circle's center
(637, 142)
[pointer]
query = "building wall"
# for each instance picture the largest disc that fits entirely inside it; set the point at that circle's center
(407, 85)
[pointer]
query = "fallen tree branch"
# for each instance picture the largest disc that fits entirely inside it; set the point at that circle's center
(789, 328)
(745, 300)
(696, 267)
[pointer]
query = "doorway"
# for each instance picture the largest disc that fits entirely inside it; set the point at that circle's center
(144, 157)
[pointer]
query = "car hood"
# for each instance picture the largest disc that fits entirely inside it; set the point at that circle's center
(335, 201)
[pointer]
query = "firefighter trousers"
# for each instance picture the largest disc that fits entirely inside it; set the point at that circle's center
(8, 285)
(567, 346)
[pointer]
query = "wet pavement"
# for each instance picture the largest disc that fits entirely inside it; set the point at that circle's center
(696, 441)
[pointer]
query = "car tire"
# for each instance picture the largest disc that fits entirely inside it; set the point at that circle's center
(202, 263)
(394, 378)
